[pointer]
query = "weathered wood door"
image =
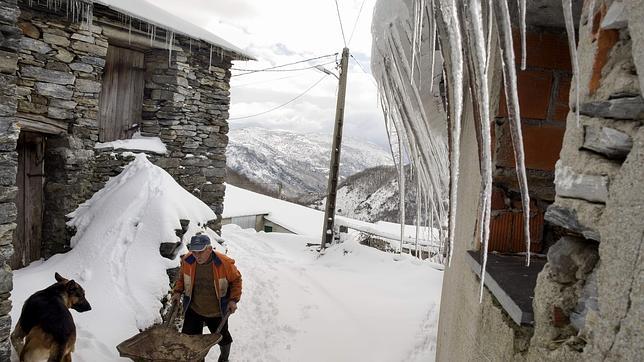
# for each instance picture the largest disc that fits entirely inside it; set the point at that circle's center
(121, 98)
(29, 199)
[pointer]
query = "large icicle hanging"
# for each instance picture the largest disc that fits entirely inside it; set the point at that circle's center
(572, 44)
(522, 8)
(401, 185)
(502, 16)
(170, 43)
(432, 43)
(476, 50)
(453, 56)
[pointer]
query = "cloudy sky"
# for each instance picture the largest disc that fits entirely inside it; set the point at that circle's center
(284, 31)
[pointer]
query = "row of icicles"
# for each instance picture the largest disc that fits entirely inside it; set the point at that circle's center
(464, 37)
(81, 11)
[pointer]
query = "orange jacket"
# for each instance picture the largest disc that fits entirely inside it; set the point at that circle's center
(228, 280)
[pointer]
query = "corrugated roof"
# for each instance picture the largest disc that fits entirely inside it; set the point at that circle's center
(153, 14)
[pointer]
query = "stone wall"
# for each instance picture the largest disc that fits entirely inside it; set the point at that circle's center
(186, 104)
(61, 66)
(588, 300)
(9, 44)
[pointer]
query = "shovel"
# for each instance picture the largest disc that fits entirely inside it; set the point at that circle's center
(163, 343)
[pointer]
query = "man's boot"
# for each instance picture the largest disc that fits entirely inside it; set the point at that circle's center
(225, 352)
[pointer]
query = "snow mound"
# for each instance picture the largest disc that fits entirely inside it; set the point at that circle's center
(115, 256)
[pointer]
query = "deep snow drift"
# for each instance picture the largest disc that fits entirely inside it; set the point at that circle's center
(353, 304)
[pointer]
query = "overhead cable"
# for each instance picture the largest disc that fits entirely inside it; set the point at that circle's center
(249, 71)
(356, 22)
(340, 20)
(281, 105)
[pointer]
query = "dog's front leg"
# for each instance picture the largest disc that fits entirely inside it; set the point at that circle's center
(67, 357)
(18, 338)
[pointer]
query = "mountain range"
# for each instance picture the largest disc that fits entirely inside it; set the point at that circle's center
(295, 164)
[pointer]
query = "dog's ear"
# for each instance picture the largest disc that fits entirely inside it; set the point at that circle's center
(71, 284)
(59, 278)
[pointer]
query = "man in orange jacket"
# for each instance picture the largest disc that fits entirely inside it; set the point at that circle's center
(211, 286)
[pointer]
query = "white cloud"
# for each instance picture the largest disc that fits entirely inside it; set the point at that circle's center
(285, 31)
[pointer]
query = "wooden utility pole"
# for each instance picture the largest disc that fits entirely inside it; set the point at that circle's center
(329, 213)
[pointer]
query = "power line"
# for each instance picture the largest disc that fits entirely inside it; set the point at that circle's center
(340, 20)
(267, 80)
(356, 22)
(281, 105)
(279, 66)
(364, 71)
(292, 69)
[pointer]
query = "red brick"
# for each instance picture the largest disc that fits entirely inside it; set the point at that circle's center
(559, 318)
(542, 145)
(544, 50)
(506, 232)
(534, 88)
(498, 199)
(605, 41)
(561, 104)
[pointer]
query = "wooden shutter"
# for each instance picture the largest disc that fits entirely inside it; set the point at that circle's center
(29, 199)
(121, 100)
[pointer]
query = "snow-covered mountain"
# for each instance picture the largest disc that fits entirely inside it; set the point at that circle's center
(298, 162)
(373, 195)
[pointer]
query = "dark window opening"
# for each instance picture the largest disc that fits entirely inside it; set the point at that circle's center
(268, 229)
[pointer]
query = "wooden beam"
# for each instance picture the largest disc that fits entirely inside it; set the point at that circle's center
(40, 124)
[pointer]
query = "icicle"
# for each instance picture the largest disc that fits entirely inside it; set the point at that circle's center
(490, 12)
(522, 24)
(590, 17)
(210, 61)
(419, 6)
(512, 100)
(572, 44)
(153, 33)
(476, 49)
(418, 211)
(190, 48)
(129, 30)
(432, 43)
(450, 21)
(401, 185)
(170, 36)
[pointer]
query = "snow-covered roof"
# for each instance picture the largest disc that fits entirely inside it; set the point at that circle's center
(147, 11)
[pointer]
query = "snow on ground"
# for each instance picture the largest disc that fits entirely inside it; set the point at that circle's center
(354, 303)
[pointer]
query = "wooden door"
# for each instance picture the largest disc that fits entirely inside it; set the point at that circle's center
(29, 199)
(121, 99)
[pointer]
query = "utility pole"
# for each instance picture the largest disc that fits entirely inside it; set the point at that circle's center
(329, 213)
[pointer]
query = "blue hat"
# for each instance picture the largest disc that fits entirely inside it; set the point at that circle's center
(198, 242)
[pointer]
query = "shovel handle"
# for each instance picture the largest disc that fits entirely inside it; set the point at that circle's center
(223, 321)
(174, 309)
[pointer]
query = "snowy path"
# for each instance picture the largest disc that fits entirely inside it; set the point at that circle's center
(353, 304)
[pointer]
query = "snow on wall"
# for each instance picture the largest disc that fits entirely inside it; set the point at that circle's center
(136, 143)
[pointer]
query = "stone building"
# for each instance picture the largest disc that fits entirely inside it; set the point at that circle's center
(581, 298)
(79, 72)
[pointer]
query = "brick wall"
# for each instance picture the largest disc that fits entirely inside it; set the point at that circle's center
(543, 98)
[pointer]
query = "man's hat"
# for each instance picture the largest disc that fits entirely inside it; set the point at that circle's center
(198, 242)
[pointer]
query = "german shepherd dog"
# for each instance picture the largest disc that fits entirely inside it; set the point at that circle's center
(47, 324)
